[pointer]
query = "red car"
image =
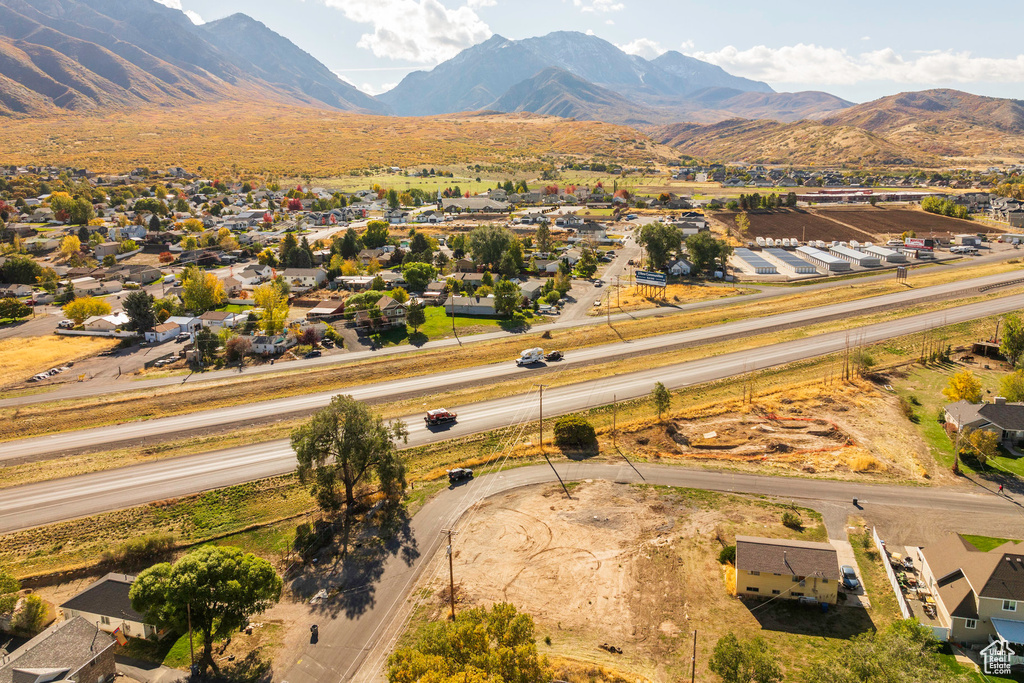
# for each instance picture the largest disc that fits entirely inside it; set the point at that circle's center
(439, 416)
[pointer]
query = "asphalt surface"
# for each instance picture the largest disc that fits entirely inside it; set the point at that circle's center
(52, 501)
(625, 386)
(346, 640)
(582, 289)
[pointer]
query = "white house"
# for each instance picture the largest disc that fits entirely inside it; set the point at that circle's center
(161, 333)
(107, 323)
(185, 323)
(218, 320)
(270, 346)
(302, 279)
(106, 604)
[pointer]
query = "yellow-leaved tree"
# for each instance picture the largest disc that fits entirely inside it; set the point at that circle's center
(85, 307)
(963, 386)
(274, 303)
(201, 292)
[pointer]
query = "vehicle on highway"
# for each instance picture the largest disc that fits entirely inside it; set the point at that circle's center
(530, 356)
(850, 580)
(554, 355)
(964, 249)
(631, 217)
(459, 473)
(439, 416)
(315, 353)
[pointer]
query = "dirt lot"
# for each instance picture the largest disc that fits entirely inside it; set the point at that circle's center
(632, 567)
(832, 430)
(796, 223)
(884, 221)
(850, 223)
(630, 299)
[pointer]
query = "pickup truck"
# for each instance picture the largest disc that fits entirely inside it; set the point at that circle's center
(530, 356)
(439, 416)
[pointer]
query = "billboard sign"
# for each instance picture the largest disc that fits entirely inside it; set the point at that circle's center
(914, 242)
(647, 277)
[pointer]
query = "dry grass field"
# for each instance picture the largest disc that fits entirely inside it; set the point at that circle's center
(24, 357)
(885, 221)
(249, 140)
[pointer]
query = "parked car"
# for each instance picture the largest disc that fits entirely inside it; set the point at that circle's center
(327, 344)
(598, 283)
(850, 580)
(183, 337)
(315, 353)
(439, 416)
(459, 473)
(66, 324)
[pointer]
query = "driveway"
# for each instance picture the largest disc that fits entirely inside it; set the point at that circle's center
(147, 672)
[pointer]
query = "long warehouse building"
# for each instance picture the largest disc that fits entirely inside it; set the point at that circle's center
(854, 256)
(887, 255)
(752, 263)
(824, 259)
(791, 262)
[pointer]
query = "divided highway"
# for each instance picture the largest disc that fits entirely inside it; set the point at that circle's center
(57, 443)
(52, 501)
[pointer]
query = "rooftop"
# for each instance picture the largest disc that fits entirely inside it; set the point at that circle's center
(780, 556)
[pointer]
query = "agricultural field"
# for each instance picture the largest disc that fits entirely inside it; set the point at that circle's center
(799, 223)
(24, 357)
(884, 221)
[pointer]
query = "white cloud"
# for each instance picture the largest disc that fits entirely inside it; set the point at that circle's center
(376, 88)
(866, 38)
(643, 47)
(609, 22)
(598, 5)
(829, 66)
(481, 3)
(686, 45)
(423, 31)
(176, 4)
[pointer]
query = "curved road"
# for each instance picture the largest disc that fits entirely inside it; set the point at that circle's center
(50, 501)
(345, 641)
(818, 345)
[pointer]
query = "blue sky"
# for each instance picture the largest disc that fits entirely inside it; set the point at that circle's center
(858, 51)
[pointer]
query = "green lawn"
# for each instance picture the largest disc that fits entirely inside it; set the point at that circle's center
(171, 651)
(439, 326)
(949, 661)
(235, 308)
(986, 543)
(924, 385)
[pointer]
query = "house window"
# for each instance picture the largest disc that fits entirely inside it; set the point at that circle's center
(775, 591)
(797, 595)
(751, 589)
(1009, 605)
(824, 580)
(755, 573)
(971, 623)
(106, 620)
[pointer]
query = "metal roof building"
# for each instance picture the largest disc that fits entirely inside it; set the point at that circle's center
(791, 262)
(854, 256)
(824, 259)
(751, 262)
(887, 255)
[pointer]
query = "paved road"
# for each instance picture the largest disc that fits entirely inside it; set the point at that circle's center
(52, 501)
(346, 642)
(634, 384)
(97, 388)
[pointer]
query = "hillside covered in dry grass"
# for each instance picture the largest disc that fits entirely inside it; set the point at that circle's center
(271, 139)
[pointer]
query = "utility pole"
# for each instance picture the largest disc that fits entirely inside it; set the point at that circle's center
(451, 572)
(541, 387)
(615, 410)
(191, 647)
(693, 670)
(453, 319)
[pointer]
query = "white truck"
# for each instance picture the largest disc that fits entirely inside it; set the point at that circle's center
(530, 356)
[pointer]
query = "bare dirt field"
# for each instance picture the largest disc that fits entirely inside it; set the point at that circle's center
(793, 223)
(631, 567)
(631, 299)
(884, 221)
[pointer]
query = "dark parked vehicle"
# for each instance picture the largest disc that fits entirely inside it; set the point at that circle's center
(850, 580)
(315, 353)
(554, 355)
(459, 473)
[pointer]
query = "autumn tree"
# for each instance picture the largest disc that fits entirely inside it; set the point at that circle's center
(1012, 345)
(85, 307)
(201, 291)
(12, 309)
(274, 305)
(376, 235)
(743, 223)
(70, 247)
(214, 589)
(963, 386)
(984, 444)
(237, 348)
(480, 645)
(1011, 386)
(345, 444)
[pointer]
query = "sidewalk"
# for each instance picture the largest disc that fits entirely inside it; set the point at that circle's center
(148, 672)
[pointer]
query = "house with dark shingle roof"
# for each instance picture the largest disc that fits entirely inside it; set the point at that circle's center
(1004, 418)
(72, 650)
(979, 595)
(774, 567)
(106, 604)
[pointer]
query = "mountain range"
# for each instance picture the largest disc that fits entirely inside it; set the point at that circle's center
(60, 56)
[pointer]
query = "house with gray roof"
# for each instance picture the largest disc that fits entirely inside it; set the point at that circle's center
(780, 568)
(105, 603)
(72, 650)
(1004, 418)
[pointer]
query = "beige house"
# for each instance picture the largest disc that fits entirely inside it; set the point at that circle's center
(772, 567)
(105, 603)
(979, 595)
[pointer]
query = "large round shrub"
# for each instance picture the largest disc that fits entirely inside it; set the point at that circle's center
(575, 432)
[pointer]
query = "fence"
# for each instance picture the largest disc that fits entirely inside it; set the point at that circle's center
(904, 607)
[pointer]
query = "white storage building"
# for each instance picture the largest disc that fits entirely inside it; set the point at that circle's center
(823, 259)
(790, 262)
(887, 255)
(752, 263)
(858, 257)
